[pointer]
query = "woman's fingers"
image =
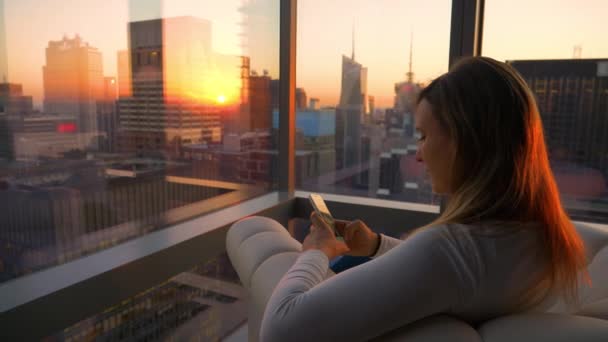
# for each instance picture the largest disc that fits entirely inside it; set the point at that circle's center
(343, 248)
(351, 230)
(348, 233)
(341, 226)
(318, 222)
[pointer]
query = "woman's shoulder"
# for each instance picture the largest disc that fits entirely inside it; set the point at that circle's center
(448, 239)
(473, 240)
(491, 229)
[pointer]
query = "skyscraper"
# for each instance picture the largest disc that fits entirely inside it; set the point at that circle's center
(572, 96)
(3, 51)
(13, 108)
(301, 99)
(254, 103)
(349, 113)
(274, 94)
(13, 102)
(406, 94)
(107, 120)
(73, 81)
(258, 35)
(174, 81)
(371, 109)
(260, 102)
(124, 73)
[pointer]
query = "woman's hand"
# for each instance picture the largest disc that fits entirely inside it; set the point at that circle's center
(359, 238)
(322, 237)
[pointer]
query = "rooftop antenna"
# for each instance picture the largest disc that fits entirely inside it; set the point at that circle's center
(410, 74)
(577, 52)
(353, 42)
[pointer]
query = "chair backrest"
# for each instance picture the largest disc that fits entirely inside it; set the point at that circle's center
(596, 242)
(595, 238)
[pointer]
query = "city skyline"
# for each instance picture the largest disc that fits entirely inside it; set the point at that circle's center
(320, 43)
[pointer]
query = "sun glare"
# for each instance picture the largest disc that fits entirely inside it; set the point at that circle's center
(221, 99)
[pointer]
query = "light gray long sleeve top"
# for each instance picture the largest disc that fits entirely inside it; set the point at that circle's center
(471, 272)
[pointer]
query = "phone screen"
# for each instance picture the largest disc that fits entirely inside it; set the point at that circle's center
(320, 207)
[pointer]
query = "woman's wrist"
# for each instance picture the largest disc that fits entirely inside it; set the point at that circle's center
(329, 252)
(378, 240)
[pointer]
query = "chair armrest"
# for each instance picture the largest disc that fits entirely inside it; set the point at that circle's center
(251, 241)
(541, 327)
(261, 251)
(597, 309)
(434, 329)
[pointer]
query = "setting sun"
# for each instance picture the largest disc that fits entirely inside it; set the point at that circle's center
(221, 99)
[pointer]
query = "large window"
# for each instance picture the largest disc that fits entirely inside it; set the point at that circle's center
(118, 118)
(560, 49)
(360, 67)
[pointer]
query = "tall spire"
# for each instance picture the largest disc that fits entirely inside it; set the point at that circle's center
(410, 74)
(353, 42)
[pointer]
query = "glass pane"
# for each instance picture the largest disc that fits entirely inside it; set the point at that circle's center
(118, 118)
(360, 67)
(564, 58)
(206, 303)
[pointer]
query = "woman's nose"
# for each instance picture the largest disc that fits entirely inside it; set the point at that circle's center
(418, 156)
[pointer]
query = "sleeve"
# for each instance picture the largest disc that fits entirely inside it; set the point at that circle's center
(412, 281)
(386, 244)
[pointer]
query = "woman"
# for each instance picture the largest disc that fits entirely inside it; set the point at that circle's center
(502, 244)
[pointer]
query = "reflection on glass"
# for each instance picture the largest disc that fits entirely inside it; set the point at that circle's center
(206, 303)
(569, 78)
(121, 118)
(355, 134)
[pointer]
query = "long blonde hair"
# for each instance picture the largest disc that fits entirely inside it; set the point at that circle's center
(502, 170)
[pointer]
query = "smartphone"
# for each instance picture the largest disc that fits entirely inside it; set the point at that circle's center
(320, 208)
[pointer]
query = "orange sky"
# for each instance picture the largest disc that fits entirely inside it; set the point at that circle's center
(103, 24)
(514, 29)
